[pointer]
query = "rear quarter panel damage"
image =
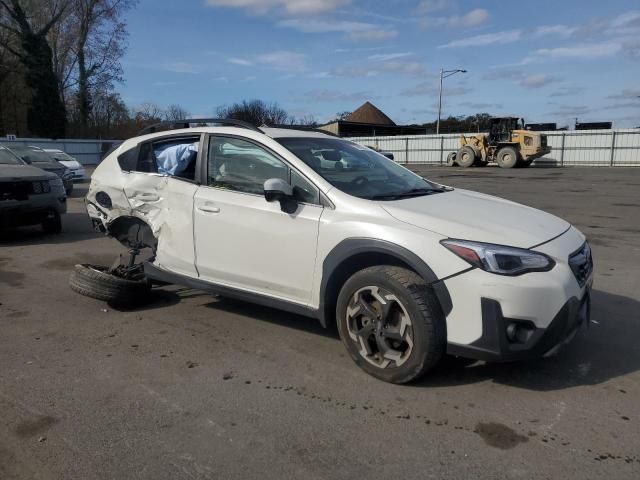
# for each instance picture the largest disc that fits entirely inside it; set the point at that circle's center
(154, 199)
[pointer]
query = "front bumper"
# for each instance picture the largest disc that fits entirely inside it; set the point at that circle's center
(544, 308)
(78, 174)
(31, 212)
(497, 345)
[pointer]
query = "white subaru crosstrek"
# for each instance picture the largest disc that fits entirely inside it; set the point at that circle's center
(408, 269)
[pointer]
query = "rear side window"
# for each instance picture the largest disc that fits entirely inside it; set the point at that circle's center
(167, 156)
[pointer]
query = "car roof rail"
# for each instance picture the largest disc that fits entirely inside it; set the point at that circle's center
(304, 128)
(198, 122)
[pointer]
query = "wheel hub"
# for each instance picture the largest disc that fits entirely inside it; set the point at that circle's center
(380, 327)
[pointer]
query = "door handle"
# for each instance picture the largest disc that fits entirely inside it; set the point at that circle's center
(209, 209)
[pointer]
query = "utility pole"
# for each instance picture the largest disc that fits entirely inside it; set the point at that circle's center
(444, 74)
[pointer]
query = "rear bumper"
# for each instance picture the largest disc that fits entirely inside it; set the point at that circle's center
(497, 345)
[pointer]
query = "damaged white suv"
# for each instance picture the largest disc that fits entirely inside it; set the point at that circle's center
(317, 225)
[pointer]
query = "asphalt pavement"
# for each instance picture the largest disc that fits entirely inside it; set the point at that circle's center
(191, 386)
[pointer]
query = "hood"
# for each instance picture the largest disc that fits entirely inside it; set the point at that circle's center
(467, 215)
(72, 164)
(15, 173)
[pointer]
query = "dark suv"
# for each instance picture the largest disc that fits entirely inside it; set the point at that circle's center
(39, 158)
(29, 195)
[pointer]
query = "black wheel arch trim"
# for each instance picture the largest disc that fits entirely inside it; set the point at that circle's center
(352, 247)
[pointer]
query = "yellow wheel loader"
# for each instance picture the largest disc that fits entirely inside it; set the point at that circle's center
(507, 143)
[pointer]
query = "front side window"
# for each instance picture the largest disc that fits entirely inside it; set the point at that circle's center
(358, 170)
(242, 166)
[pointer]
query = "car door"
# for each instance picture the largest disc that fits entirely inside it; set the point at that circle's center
(165, 202)
(243, 241)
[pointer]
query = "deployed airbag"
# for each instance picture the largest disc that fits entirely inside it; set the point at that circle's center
(174, 159)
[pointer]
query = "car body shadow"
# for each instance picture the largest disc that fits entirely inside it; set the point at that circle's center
(605, 350)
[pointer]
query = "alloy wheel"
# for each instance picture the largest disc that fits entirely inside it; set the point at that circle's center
(380, 326)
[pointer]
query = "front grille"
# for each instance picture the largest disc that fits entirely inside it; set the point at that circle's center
(581, 263)
(15, 190)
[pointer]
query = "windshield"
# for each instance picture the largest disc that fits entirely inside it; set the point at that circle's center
(358, 170)
(8, 158)
(31, 155)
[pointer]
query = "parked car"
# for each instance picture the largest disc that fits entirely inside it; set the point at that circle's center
(68, 161)
(39, 158)
(389, 155)
(410, 270)
(29, 195)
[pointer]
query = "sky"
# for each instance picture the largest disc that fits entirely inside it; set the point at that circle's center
(545, 61)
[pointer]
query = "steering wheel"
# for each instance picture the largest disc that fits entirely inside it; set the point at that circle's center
(360, 181)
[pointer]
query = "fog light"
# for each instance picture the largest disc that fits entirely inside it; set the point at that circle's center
(519, 332)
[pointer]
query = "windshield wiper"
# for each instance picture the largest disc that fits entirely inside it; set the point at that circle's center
(415, 192)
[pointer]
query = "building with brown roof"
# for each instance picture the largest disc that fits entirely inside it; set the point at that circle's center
(369, 121)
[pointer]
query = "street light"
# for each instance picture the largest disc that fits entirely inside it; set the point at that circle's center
(444, 74)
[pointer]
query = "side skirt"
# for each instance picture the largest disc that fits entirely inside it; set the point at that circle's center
(161, 275)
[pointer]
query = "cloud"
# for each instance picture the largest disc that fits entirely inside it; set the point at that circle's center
(354, 30)
(285, 61)
(284, 7)
(593, 50)
(627, 94)
(240, 61)
(373, 35)
(567, 91)
(181, 67)
(432, 88)
(561, 30)
(383, 57)
(571, 110)
(336, 96)
(395, 67)
(486, 39)
(473, 18)
(525, 80)
(537, 80)
(431, 6)
(482, 106)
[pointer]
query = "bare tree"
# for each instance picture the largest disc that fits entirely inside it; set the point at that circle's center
(256, 112)
(100, 43)
(28, 43)
(176, 112)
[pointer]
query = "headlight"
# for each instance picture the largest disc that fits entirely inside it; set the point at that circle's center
(67, 174)
(499, 259)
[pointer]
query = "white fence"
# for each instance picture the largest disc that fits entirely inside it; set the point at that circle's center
(87, 152)
(595, 148)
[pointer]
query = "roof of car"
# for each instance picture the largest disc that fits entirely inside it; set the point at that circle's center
(288, 133)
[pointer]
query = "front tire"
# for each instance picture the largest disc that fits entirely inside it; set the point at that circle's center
(391, 323)
(451, 159)
(466, 157)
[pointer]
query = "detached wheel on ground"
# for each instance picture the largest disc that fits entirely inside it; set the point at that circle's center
(507, 157)
(451, 159)
(98, 282)
(53, 223)
(390, 323)
(466, 157)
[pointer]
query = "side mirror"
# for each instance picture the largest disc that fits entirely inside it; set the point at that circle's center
(277, 190)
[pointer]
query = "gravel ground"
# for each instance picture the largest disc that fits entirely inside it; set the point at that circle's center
(192, 386)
